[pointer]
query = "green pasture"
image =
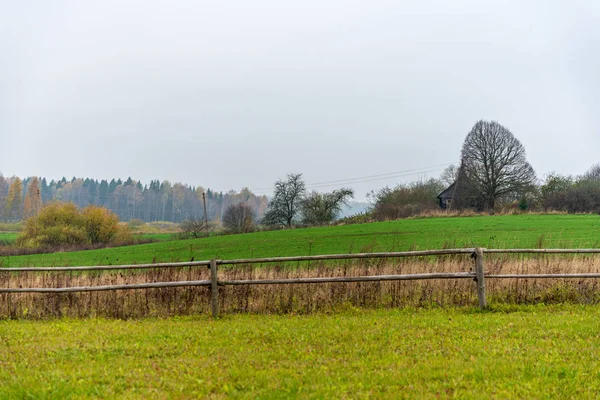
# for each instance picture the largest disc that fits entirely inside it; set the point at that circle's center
(10, 237)
(521, 352)
(506, 231)
(157, 237)
(7, 237)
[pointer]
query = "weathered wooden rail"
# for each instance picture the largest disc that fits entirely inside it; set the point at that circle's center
(478, 273)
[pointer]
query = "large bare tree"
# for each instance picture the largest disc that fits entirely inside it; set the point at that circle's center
(495, 164)
(284, 207)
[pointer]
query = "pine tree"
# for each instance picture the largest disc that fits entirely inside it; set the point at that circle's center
(103, 194)
(45, 190)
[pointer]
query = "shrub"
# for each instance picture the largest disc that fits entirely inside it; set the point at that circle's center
(406, 200)
(238, 218)
(10, 226)
(63, 224)
(194, 227)
(136, 223)
(100, 224)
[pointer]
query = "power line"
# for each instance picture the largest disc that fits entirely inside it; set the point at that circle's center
(377, 179)
(383, 175)
(369, 178)
(262, 191)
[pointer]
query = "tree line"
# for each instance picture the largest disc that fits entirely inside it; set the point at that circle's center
(129, 199)
(237, 212)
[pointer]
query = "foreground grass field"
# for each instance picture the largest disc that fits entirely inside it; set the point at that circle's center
(524, 352)
(507, 231)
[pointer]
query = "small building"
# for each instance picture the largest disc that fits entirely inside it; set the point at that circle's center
(446, 196)
(459, 195)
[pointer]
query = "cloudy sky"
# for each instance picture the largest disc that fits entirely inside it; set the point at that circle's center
(227, 94)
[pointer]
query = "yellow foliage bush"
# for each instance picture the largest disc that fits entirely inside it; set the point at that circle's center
(100, 224)
(63, 224)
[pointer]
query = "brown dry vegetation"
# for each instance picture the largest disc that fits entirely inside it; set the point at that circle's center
(11, 250)
(300, 298)
(510, 209)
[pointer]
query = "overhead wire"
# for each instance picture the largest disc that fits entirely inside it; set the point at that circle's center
(369, 178)
(345, 181)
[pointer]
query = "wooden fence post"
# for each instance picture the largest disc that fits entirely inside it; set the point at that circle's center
(214, 289)
(480, 277)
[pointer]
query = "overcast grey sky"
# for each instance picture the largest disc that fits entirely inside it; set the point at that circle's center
(227, 94)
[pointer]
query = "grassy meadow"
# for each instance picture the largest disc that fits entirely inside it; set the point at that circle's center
(10, 237)
(7, 237)
(518, 231)
(518, 352)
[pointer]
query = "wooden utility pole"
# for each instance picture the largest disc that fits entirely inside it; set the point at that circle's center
(205, 214)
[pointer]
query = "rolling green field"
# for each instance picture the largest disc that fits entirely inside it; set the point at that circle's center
(518, 231)
(524, 352)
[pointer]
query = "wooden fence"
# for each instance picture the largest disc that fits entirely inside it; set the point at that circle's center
(478, 273)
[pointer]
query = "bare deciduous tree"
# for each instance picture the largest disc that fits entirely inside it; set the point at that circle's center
(449, 175)
(194, 226)
(284, 207)
(323, 208)
(495, 164)
(593, 173)
(238, 218)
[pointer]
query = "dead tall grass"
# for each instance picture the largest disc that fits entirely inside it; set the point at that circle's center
(299, 298)
(441, 213)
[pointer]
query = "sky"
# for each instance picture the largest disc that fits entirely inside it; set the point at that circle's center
(229, 94)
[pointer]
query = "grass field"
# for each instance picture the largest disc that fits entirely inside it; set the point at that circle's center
(524, 352)
(157, 237)
(550, 231)
(8, 237)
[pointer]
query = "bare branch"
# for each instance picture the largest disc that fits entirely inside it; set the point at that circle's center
(494, 163)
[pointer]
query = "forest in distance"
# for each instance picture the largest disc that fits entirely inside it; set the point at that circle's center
(131, 199)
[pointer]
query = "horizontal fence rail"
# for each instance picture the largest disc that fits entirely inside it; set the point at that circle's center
(206, 263)
(478, 273)
(324, 257)
(541, 251)
(153, 285)
(536, 276)
(107, 267)
(375, 278)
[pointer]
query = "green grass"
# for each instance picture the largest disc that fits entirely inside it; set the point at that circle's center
(8, 237)
(550, 231)
(524, 352)
(158, 237)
